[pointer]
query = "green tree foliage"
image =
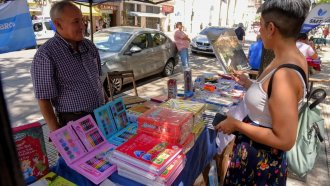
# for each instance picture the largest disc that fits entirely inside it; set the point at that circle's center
(322, 1)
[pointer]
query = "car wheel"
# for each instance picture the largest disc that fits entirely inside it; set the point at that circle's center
(169, 68)
(116, 88)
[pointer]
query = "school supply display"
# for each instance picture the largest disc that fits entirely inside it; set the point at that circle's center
(196, 108)
(134, 112)
(31, 151)
(113, 122)
(188, 85)
(198, 129)
(171, 88)
(130, 101)
(148, 153)
(310, 132)
(228, 50)
(165, 121)
(166, 178)
(52, 179)
(84, 149)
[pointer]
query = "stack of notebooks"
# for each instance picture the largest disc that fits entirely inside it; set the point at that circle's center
(84, 149)
(167, 124)
(113, 122)
(149, 160)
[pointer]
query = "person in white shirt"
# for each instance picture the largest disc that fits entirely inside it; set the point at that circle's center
(304, 47)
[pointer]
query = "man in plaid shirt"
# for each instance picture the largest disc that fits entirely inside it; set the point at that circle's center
(66, 70)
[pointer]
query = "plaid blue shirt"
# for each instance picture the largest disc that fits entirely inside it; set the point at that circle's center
(70, 79)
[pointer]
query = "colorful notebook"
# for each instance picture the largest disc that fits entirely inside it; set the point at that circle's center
(84, 149)
(112, 121)
(166, 178)
(31, 151)
(52, 179)
(148, 153)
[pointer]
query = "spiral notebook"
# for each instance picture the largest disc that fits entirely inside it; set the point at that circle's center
(84, 149)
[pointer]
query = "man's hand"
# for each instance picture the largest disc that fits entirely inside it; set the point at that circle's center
(48, 113)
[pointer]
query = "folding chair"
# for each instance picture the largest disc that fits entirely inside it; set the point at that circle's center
(120, 75)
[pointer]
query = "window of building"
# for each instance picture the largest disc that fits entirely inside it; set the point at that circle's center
(153, 9)
(129, 7)
(152, 22)
(138, 8)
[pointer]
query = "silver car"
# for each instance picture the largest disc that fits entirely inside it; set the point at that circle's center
(145, 51)
(200, 43)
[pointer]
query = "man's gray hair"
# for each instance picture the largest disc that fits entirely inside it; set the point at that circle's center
(58, 8)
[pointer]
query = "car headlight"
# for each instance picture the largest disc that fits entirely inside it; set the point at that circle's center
(193, 43)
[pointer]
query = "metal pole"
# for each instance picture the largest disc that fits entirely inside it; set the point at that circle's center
(91, 16)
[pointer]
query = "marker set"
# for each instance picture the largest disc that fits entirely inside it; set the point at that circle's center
(112, 121)
(84, 149)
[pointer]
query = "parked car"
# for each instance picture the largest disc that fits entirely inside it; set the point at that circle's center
(43, 30)
(200, 43)
(145, 51)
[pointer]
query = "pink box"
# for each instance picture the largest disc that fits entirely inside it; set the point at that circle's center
(164, 120)
(84, 149)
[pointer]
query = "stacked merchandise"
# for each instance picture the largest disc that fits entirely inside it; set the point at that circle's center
(113, 122)
(84, 149)
(218, 93)
(149, 160)
(171, 125)
(195, 107)
(31, 151)
(134, 112)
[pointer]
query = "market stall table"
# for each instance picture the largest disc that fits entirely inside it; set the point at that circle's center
(199, 156)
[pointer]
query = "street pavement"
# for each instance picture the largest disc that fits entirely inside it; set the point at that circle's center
(23, 108)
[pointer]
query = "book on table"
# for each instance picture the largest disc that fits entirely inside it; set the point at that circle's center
(165, 178)
(228, 50)
(31, 150)
(113, 122)
(84, 149)
(148, 153)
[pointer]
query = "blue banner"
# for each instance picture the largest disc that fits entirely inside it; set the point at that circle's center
(318, 15)
(16, 30)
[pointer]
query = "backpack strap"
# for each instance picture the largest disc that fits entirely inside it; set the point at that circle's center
(292, 66)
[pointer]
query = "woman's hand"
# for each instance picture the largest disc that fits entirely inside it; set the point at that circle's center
(240, 78)
(227, 126)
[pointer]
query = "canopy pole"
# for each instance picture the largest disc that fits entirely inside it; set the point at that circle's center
(91, 17)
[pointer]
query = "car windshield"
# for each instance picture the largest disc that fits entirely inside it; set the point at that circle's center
(110, 41)
(214, 29)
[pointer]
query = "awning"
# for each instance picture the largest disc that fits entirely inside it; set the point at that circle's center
(85, 10)
(142, 14)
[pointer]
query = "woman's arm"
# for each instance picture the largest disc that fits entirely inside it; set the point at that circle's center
(283, 106)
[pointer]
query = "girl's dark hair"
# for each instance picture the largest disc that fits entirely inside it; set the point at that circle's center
(287, 15)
